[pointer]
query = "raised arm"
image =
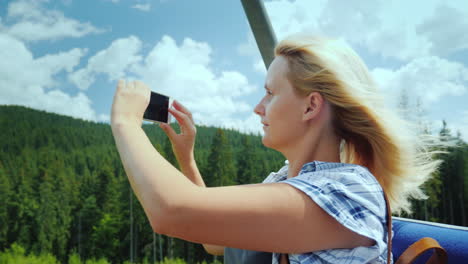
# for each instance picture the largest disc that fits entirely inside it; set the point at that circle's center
(183, 146)
(273, 217)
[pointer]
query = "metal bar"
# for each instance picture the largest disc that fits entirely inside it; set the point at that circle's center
(464, 228)
(261, 28)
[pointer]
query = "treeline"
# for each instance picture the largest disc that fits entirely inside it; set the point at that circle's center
(63, 189)
(17, 255)
(447, 190)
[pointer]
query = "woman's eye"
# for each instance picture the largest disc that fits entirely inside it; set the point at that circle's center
(269, 92)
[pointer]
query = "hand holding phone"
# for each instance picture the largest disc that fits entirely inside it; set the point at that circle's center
(183, 143)
(158, 108)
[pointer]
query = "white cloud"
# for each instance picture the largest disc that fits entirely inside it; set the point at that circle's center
(383, 27)
(32, 22)
(248, 48)
(18, 64)
(61, 61)
(463, 127)
(183, 71)
(295, 16)
(142, 7)
(459, 125)
(259, 67)
(112, 61)
(29, 81)
(426, 82)
(103, 118)
(428, 78)
(180, 71)
(251, 124)
(446, 39)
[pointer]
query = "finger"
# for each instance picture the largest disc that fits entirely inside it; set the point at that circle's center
(129, 86)
(120, 84)
(183, 109)
(140, 85)
(143, 89)
(168, 130)
(136, 86)
(184, 121)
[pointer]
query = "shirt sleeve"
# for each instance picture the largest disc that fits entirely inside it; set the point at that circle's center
(355, 199)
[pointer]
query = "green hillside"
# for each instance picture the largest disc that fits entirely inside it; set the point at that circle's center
(64, 191)
(63, 188)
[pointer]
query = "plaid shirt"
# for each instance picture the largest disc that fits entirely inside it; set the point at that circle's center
(351, 195)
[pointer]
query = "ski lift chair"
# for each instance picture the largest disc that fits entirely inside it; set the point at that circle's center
(454, 239)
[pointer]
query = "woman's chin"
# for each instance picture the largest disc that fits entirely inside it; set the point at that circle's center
(266, 142)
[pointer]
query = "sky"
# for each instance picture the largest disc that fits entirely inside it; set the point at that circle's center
(65, 56)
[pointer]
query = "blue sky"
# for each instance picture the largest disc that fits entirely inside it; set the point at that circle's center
(65, 56)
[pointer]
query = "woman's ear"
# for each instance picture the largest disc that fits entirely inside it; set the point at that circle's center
(313, 105)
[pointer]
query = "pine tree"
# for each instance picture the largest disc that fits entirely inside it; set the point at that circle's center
(25, 205)
(66, 196)
(447, 169)
(46, 219)
(458, 178)
(168, 153)
(88, 218)
(221, 170)
(246, 162)
(104, 237)
(465, 183)
(5, 196)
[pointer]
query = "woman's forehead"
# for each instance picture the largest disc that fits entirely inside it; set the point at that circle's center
(276, 72)
(279, 64)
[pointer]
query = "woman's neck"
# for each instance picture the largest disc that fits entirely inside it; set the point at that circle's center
(325, 147)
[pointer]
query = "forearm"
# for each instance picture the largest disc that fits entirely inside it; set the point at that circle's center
(157, 184)
(190, 170)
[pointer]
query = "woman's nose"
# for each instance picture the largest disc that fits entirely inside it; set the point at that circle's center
(259, 109)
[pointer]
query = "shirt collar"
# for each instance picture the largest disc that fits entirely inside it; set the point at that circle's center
(312, 166)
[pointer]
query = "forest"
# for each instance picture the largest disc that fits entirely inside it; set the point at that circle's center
(65, 197)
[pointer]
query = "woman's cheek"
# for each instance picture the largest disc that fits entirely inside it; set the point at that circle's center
(270, 103)
(275, 105)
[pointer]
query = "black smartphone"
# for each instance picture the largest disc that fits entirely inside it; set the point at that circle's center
(157, 110)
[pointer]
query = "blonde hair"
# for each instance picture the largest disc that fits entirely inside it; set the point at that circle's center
(372, 136)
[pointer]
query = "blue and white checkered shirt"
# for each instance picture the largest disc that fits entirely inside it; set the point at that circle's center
(351, 195)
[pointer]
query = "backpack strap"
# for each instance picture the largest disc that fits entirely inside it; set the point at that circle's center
(421, 246)
(417, 248)
(389, 229)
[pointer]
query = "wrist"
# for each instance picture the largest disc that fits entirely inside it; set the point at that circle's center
(121, 123)
(188, 164)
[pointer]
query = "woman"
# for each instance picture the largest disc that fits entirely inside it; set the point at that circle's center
(322, 112)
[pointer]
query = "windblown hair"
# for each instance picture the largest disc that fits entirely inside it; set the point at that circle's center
(372, 136)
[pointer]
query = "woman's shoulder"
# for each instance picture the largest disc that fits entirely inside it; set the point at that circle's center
(350, 194)
(318, 171)
(279, 175)
(344, 173)
(347, 183)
